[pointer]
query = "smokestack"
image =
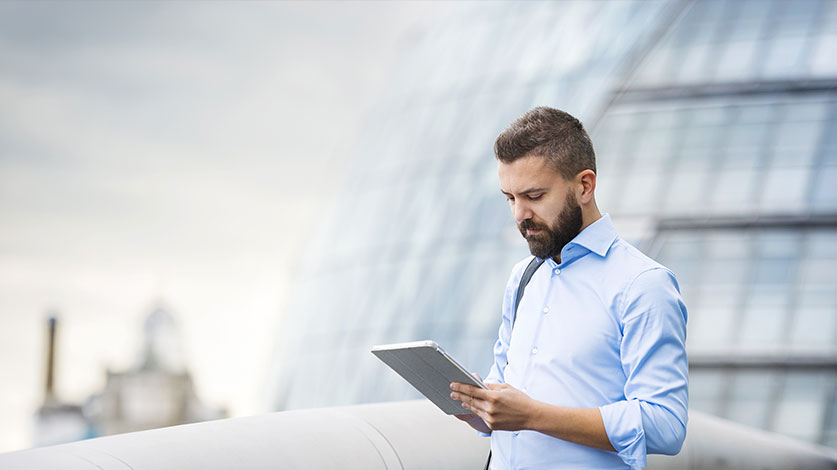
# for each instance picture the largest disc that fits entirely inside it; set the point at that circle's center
(50, 373)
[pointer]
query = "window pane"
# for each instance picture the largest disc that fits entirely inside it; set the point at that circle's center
(825, 189)
(818, 271)
(801, 410)
(774, 271)
(784, 57)
(749, 136)
(749, 401)
(640, 192)
(785, 189)
(762, 327)
(686, 190)
(822, 62)
(823, 243)
(736, 60)
(830, 437)
(711, 320)
(733, 191)
(814, 327)
(705, 390)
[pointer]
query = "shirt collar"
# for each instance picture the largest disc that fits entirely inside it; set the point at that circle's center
(597, 237)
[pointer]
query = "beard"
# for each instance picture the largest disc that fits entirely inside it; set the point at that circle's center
(551, 240)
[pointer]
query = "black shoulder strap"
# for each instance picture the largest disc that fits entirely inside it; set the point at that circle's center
(524, 280)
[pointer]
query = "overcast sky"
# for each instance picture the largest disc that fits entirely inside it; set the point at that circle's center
(180, 153)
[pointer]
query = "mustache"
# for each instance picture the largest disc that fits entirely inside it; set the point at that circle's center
(528, 224)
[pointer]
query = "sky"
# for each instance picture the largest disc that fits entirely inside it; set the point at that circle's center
(175, 154)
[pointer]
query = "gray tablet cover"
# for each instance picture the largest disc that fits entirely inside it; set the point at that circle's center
(429, 369)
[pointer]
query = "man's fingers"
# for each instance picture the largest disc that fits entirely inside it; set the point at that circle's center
(469, 390)
(483, 415)
(469, 401)
(474, 404)
(464, 398)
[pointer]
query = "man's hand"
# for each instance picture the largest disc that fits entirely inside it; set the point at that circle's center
(473, 420)
(502, 407)
(505, 408)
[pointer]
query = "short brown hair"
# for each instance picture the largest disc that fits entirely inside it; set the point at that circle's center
(551, 133)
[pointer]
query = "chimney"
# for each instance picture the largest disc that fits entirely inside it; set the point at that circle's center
(50, 373)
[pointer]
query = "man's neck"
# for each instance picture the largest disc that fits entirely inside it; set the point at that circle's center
(589, 215)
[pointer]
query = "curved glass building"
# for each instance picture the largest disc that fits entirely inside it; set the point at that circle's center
(714, 126)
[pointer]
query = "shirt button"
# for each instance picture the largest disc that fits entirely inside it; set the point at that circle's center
(557, 271)
(534, 350)
(546, 310)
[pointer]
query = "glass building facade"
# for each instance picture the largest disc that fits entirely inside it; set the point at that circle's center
(714, 126)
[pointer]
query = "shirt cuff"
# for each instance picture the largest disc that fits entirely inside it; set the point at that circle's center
(623, 424)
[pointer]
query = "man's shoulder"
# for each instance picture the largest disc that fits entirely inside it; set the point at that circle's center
(630, 260)
(629, 269)
(520, 266)
(518, 269)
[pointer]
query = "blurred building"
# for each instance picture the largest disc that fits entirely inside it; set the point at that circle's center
(722, 144)
(155, 393)
(714, 124)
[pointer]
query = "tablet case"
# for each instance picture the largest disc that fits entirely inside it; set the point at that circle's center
(429, 369)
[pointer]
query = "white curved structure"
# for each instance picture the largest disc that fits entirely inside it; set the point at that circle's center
(398, 435)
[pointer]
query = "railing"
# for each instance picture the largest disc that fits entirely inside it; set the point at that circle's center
(398, 435)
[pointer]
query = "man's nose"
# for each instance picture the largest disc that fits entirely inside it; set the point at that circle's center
(521, 212)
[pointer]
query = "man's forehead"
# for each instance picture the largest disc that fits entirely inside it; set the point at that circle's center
(526, 173)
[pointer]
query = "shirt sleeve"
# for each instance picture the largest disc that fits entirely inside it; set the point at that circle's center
(652, 418)
(501, 347)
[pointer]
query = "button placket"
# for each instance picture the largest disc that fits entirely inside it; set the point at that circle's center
(533, 351)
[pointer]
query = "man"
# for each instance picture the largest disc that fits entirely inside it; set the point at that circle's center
(593, 372)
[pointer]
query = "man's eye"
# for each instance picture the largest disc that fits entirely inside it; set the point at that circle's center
(535, 198)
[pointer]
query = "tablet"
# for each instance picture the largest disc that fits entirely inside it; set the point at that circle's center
(430, 370)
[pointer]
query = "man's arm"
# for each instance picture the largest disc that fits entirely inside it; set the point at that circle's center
(506, 408)
(652, 417)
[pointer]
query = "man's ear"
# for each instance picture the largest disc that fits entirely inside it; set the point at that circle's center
(586, 184)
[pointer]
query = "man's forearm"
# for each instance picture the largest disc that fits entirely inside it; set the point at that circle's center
(579, 425)
(506, 408)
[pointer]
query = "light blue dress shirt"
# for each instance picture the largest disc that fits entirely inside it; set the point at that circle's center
(606, 328)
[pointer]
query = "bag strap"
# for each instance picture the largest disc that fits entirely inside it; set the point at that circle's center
(524, 281)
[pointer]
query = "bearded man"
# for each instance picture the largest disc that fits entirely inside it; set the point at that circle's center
(590, 366)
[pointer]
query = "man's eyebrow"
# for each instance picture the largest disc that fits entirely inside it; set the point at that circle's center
(527, 191)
